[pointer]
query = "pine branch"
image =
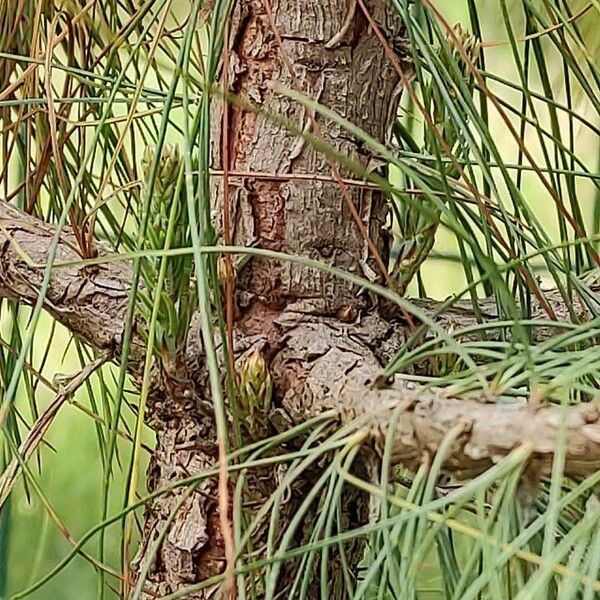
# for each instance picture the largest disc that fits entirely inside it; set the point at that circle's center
(487, 431)
(92, 303)
(89, 301)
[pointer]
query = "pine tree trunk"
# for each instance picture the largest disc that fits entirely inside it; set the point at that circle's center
(329, 54)
(327, 51)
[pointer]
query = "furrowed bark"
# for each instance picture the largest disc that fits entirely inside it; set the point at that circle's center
(89, 301)
(495, 429)
(326, 51)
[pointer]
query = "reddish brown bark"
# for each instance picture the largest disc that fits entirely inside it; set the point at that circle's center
(326, 51)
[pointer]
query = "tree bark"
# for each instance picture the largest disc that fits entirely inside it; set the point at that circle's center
(319, 364)
(327, 51)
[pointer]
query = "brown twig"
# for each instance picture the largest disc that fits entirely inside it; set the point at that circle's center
(228, 588)
(39, 429)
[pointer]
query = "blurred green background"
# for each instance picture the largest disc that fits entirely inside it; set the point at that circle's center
(71, 479)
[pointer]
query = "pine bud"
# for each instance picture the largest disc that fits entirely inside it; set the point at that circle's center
(222, 271)
(470, 45)
(167, 204)
(163, 191)
(255, 388)
(168, 165)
